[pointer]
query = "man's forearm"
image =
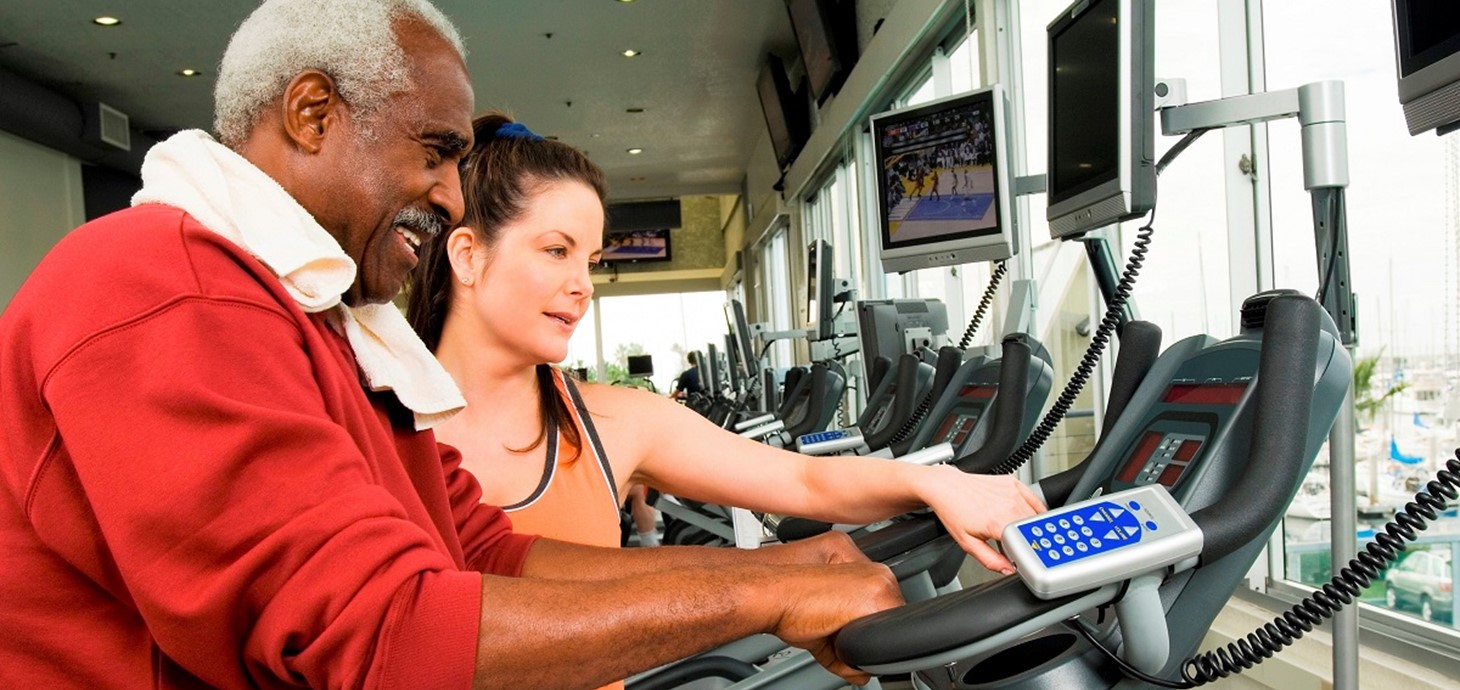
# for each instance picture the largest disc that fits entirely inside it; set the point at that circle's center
(566, 634)
(583, 616)
(556, 560)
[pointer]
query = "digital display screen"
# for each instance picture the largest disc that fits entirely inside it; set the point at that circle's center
(1161, 457)
(1084, 101)
(1204, 393)
(957, 428)
(1138, 459)
(974, 392)
(938, 173)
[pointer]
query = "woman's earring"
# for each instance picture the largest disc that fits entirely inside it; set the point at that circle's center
(466, 280)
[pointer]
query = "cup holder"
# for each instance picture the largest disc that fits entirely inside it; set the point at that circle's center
(1025, 656)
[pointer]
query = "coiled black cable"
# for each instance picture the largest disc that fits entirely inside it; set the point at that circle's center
(911, 425)
(1102, 335)
(1339, 592)
(983, 304)
(1263, 643)
(1092, 355)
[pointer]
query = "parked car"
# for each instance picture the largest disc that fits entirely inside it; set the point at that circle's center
(1423, 580)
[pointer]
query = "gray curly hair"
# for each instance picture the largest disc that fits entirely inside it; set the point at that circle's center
(353, 41)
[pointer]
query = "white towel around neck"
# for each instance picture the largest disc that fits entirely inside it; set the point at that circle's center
(230, 196)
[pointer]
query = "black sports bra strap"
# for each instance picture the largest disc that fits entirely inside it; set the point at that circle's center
(592, 434)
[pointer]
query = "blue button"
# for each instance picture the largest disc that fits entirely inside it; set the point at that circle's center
(1078, 520)
(1064, 524)
(1082, 547)
(1150, 525)
(1054, 555)
(1134, 505)
(1044, 543)
(1095, 543)
(1036, 531)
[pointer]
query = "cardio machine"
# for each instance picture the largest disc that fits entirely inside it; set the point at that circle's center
(1227, 429)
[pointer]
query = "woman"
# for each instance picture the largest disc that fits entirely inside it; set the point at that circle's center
(497, 300)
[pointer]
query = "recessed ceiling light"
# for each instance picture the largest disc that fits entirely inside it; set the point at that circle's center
(626, 1)
(106, 21)
(634, 110)
(188, 72)
(635, 151)
(595, 135)
(636, 178)
(632, 53)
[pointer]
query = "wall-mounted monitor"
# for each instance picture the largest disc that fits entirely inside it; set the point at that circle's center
(786, 118)
(636, 246)
(1427, 47)
(823, 291)
(748, 360)
(641, 365)
(944, 182)
(714, 379)
(826, 30)
(1102, 128)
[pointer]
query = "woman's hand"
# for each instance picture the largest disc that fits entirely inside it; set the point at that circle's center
(976, 507)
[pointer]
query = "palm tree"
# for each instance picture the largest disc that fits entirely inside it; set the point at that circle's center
(1365, 403)
(1367, 406)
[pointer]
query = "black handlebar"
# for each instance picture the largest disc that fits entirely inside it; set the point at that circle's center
(1008, 407)
(903, 404)
(1279, 430)
(1140, 345)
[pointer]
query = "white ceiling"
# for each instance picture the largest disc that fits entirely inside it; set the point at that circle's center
(695, 79)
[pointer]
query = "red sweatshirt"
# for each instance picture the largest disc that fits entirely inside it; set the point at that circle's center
(195, 490)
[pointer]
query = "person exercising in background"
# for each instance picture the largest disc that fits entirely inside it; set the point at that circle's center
(498, 298)
(688, 381)
(215, 453)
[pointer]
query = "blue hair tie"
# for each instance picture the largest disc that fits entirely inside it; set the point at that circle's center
(516, 130)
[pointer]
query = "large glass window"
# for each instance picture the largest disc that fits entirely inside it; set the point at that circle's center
(682, 323)
(1403, 256)
(776, 290)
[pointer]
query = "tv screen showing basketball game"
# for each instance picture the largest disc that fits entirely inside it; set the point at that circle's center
(633, 246)
(942, 177)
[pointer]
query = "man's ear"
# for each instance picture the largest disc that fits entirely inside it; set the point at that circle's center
(312, 106)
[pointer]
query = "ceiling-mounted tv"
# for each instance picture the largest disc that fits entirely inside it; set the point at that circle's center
(826, 30)
(636, 246)
(785, 115)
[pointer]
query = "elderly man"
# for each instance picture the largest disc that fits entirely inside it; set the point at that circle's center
(216, 467)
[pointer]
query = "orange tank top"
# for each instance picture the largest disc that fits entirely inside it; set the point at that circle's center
(577, 499)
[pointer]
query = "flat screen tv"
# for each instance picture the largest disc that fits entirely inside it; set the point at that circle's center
(822, 291)
(1427, 47)
(748, 360)
(826, 32)
(944, 182)
(641, 365)
(1102, 128)
(636, 246)
(787, 121)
